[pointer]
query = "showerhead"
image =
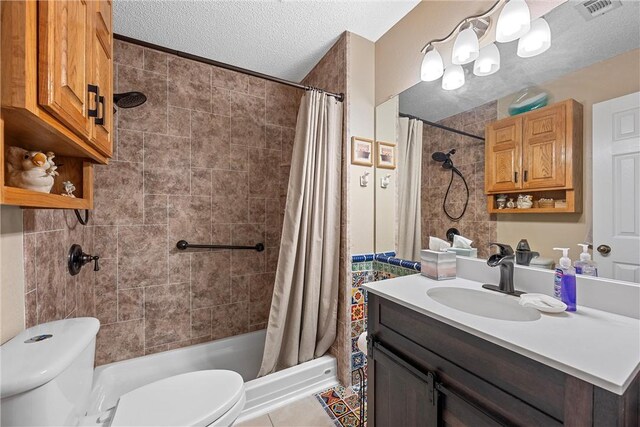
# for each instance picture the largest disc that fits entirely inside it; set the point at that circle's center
(129, 99)
(439, 156)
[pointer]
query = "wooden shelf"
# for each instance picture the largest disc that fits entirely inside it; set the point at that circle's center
(573, 198)
(27, 198)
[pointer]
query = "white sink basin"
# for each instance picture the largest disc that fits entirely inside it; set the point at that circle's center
(485, 304)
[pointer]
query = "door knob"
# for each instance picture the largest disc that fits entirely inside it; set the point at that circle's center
(604, 249)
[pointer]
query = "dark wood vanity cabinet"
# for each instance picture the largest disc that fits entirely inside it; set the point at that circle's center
(422, 372)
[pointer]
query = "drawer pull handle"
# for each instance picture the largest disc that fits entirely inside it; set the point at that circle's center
(95, 90)
(100, 120)
(526, 176)
(515, 177)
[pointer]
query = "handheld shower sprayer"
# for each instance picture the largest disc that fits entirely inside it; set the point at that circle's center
(447, 163)
(445, 158)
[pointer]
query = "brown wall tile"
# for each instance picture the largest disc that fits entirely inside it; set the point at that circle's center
(175, 175)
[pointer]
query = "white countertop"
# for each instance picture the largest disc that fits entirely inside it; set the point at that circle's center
(596, 346)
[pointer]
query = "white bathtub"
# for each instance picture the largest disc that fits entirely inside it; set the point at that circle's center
(242, 353)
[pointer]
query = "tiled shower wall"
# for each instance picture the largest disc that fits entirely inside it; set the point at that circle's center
(205, 159)
(476, 224)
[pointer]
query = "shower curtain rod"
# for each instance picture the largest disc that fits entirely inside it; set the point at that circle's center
(437, 125)
(338, 96)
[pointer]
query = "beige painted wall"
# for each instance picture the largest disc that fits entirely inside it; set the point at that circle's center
(386, 198)
(398, 55)
(361, 108)
(599, 82)
(11, 273)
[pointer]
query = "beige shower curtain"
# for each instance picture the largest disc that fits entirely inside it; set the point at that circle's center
(409, 185)
(303, 318)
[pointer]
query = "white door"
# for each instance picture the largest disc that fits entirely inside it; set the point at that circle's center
(616, 187)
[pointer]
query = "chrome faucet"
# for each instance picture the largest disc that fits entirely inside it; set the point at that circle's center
(503, 259)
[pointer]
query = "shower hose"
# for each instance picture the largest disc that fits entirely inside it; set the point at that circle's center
(455, 171)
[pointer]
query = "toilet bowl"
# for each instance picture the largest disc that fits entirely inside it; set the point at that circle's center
(47, 374)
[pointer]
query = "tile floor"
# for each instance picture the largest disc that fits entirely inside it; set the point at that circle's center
(335, 407)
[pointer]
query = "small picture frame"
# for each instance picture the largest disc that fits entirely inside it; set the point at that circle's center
(361, 151)
(386, 155)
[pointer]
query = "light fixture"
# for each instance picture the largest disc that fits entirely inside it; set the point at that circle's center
(466, 47)
(432, 66)
(514, 21)
(536, 41)
(453, 77)
(488, 61)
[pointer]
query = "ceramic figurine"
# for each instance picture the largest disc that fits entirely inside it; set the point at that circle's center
(511, 204)
(31, 170)
(69, 188)
(524, 202)
(501, 200)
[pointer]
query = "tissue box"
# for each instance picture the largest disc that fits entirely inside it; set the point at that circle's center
(472, 252)
(438, 265)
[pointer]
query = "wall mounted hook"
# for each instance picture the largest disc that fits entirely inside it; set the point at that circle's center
(385, 180)
(364, 180)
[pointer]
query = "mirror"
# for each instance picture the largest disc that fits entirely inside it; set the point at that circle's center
(591, 60)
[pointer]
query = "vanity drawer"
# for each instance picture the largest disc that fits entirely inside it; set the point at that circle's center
(499, 379)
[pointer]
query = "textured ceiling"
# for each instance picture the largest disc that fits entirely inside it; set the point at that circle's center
(281, 38)
(575, 44)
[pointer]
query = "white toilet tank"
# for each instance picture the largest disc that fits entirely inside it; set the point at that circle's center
(46, 373)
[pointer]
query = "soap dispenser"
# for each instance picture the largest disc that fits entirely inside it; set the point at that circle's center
(564, 285)
(585, 266)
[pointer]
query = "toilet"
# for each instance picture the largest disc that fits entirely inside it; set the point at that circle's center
(47, 375)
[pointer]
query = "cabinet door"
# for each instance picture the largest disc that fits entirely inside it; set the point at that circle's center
(457, 411)
(543, 157)
(101, 73)
(502, 155)
(63, 28)
(399, 394)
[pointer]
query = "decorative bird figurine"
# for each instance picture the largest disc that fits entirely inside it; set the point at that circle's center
(31, 170)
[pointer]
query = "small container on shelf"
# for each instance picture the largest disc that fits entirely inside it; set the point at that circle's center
(560, 204)
(546, 203)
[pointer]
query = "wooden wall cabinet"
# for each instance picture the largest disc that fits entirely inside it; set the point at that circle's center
(422, 372)
(536, 153)
(57, 90)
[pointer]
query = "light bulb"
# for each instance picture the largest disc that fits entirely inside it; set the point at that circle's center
(488, 61)
(514, 21)
(536, 41)
(453, 77)
(432, 66)
(465, 48)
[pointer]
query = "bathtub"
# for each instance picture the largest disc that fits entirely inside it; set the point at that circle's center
(242, 354)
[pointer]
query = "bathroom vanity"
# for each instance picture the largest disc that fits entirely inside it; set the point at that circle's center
(430, 364)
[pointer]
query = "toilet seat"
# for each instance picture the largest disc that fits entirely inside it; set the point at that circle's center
(193, 399)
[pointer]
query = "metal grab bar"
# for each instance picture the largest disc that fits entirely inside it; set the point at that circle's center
(183, 244)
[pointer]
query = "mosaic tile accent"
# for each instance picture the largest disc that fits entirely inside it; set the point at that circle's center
(342, 406)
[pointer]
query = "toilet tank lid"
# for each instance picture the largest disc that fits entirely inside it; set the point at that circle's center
(37, 355)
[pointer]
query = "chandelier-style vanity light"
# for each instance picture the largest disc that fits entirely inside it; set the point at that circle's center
(466, 48)
(488, 61)
(536, 41)
(453, 77)
(432, 66)
(513, 23)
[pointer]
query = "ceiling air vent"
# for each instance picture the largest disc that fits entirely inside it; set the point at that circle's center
(591, 9)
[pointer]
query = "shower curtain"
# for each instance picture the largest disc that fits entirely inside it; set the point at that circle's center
(409, 187)
(303, 318)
